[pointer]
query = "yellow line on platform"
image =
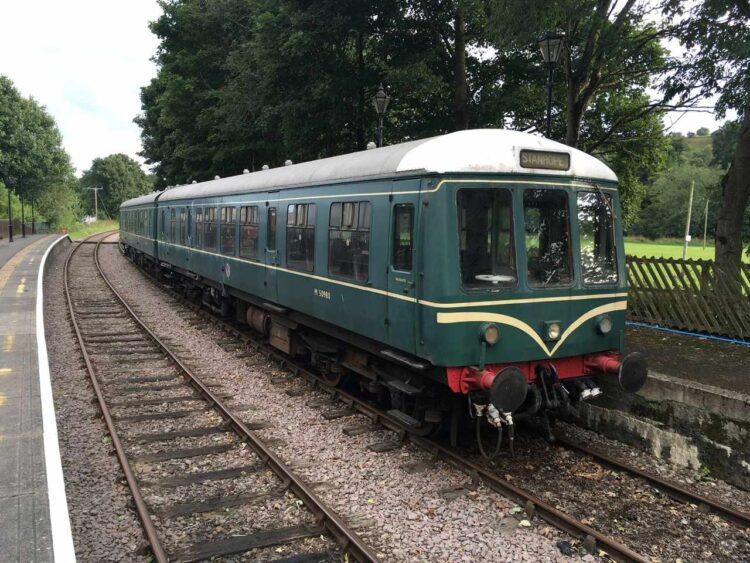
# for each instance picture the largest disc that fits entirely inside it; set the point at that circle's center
(10, 266)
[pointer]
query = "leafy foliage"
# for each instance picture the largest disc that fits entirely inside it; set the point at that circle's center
(724, 144)
(120, 178)
(33, 163)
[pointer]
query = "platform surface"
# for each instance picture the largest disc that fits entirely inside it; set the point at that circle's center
(25, 524)
(699, 360)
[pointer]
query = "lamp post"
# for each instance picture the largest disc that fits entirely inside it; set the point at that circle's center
(551, 45)
(380, 101)
(10, 219)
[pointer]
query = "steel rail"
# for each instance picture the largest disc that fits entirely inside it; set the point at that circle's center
(348, 540)
(157, 548)
(674, 490)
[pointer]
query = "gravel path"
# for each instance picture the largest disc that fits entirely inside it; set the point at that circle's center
(432, 515)
(105, 527)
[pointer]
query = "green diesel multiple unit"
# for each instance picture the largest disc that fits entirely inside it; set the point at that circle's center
(486, 263)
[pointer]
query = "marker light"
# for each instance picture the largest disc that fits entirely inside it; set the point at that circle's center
(490, 334)
(553, 331)
(605, 325)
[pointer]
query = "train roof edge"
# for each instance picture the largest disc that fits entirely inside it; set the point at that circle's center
(470, 151)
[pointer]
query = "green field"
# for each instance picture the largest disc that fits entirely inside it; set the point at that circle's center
(667, 248)
(81, 230)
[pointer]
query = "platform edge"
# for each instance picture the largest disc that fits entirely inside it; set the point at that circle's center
(62, 537)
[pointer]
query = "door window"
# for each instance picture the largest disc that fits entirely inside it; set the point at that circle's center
(271, 229)
(403, 234)
(300, 236)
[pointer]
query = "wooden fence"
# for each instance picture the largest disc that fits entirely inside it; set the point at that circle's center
(689, 295)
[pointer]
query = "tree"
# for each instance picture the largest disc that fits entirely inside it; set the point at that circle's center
(703, 132)
(33, 162)
(724, 144)
(120, 178)
(716, 34)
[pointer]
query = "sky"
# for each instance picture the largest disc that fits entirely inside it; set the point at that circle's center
(86, 60)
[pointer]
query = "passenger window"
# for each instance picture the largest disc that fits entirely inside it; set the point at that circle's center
(163, 225)
(486, 247)
(349, 240)
(249, 219)
(198, 227)
(188, 228)
(403, 233)
(547, 237)
(271, 229)
(172, 229)
(183, 224)
(209, 228)
(300, 237)
(596, 229)
(228, 226)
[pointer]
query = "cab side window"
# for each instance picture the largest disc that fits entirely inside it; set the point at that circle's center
(300, 237)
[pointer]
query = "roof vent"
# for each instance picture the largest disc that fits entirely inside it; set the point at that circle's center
(246, 171)
(288, 162)
(264, 167)
(371, 145)
(193, 182)
(217, 177)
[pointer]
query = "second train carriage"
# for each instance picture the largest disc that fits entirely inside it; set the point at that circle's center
(486, 263)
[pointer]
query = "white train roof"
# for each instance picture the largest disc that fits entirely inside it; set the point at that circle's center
(494, 151)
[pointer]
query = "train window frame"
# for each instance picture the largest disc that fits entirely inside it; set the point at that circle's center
(358, 226)
(163, 229)
(272, 224)
(301, 222)
(198, 226)
(571, 262)
(172, 225)
(507, 268)
(613, 240)
(210, 218)
(182, 225)
(228, 230)
(249, 221)
(395, 238)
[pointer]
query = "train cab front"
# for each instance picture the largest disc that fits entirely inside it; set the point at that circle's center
(544, 300)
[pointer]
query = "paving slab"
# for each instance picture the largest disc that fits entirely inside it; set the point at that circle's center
(30, 471)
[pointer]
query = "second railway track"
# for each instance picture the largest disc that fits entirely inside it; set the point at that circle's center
(159, 413)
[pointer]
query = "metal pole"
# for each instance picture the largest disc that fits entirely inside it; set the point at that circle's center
(549, 101)
(23, 221)
(10, 219)
(380, 130)
(687, 223)
(33, 227)
(96, 202)
(705, 224)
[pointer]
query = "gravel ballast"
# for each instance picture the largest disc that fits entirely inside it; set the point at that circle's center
(404, 516)
(105, 527)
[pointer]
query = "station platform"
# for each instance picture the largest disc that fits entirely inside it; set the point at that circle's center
(694, 409)
(34, 523)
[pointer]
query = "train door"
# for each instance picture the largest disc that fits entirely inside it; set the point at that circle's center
(402, 265)
(271, 251)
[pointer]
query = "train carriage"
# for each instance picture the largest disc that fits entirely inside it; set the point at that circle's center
(486, 263)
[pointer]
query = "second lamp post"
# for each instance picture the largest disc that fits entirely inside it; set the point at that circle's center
(380, 101)
(551, 45)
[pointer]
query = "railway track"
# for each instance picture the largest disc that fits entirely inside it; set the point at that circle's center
(139, 381)
(592, 539)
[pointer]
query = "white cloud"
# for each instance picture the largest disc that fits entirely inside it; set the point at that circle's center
(85, 60)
